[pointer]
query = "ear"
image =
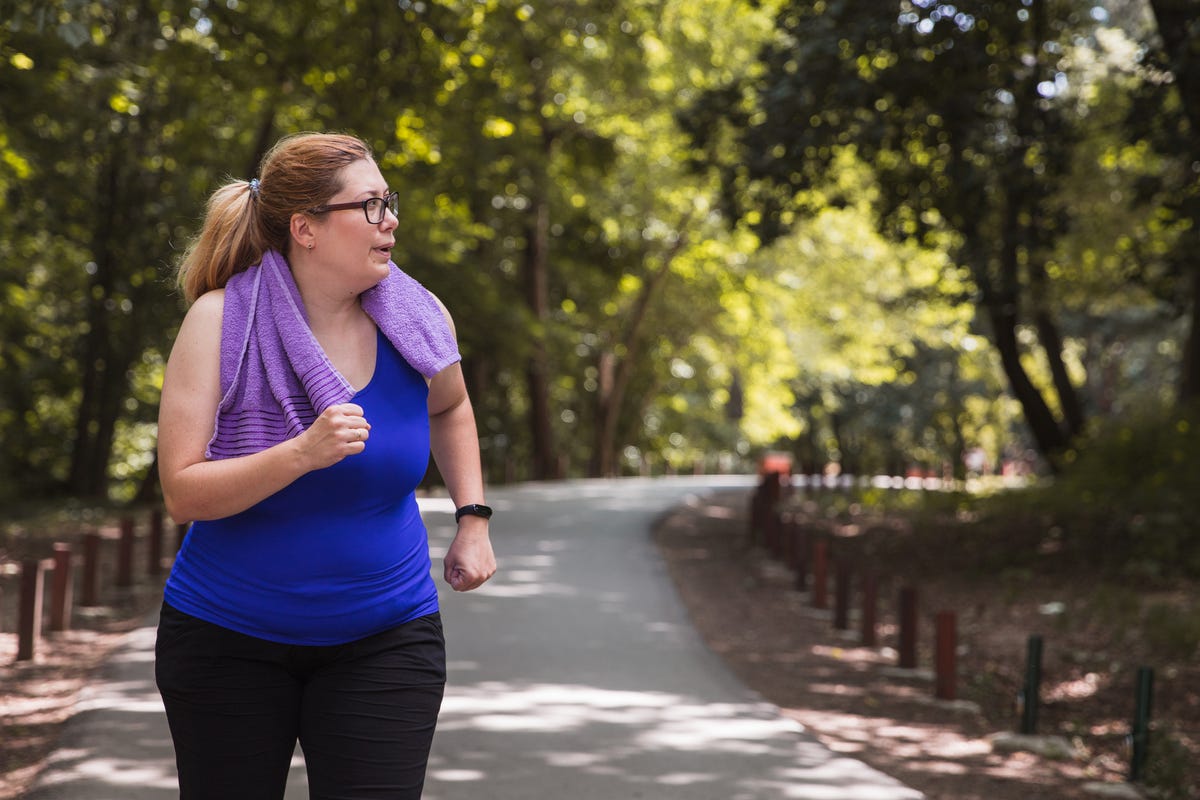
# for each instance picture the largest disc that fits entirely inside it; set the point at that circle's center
(303, 231)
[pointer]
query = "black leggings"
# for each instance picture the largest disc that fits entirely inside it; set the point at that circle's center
(364, 712)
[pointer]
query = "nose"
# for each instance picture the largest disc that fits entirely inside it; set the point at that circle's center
(390, 220)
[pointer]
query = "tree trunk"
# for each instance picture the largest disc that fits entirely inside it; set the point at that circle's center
(1002, 304)
(1189, 385)
(604, 457)
(1045, 429)
(615, 375)
(537, 372)
(97, 356)
(1179, 26)
(1052, 344)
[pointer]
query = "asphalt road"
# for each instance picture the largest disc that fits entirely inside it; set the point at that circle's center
(574, 675)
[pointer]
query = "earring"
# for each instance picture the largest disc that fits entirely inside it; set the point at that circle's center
(310, 245)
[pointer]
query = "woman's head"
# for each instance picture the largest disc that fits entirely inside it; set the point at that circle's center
(242, 222)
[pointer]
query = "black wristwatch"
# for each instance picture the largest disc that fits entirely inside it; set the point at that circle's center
(474, 510)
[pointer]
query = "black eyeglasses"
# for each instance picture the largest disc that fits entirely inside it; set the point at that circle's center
(375, 208)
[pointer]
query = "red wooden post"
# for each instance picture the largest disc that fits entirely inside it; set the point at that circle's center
(820, 590)
(841, 596)
(155, 542)
(946, 649)
(125, 553)
(908, 627)
(89, 591)
(29, 623)
(870, 608)
(60, 589)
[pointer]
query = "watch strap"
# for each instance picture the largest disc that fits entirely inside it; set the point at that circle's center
(474, 510)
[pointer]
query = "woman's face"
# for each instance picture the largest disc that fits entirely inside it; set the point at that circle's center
(345, 241)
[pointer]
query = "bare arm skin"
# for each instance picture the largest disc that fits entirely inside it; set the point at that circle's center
(454, 441)
(195, 488)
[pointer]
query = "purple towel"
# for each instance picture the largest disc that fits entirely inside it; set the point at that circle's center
(275, 378)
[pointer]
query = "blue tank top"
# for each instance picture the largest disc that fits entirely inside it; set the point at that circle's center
(341, 553)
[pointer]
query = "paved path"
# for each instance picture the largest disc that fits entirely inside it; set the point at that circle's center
(573, 674)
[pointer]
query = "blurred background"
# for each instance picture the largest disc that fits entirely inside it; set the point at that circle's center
(954, 245)
(903, 237)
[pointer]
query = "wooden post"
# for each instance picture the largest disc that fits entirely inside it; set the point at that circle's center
(60, 589)
(90, 589)
(757, 503)
(800, 547)
(870, 608)
(841, 596)
(29, 624)
(820, 591)
(771, 521)
(774, 530)
(1139, 737)
(1030, 696)
(908, 628)
(786, 543)
(155, 543)
(946, 659)
(125, 553)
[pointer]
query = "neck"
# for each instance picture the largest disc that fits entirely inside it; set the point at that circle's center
(326, 303)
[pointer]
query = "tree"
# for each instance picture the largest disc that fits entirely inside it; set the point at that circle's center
(1178, 26)
(941, 102)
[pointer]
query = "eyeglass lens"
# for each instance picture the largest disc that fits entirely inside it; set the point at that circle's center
(375, 207)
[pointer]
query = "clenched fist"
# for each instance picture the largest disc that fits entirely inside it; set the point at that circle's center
(340, 431)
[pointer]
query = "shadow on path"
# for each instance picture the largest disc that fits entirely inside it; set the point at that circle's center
(574, 674)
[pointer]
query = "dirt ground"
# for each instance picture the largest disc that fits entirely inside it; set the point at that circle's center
(37, 696)
(856, 702)
(851, 697)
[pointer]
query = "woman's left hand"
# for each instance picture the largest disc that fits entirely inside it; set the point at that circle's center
(470, 561)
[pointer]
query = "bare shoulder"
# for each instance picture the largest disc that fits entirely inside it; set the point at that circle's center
(207, 310)
(445, 313)
(199, 337)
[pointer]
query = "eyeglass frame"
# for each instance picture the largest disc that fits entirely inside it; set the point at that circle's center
(390, 202)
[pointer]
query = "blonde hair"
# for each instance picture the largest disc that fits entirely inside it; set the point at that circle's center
(300, 172)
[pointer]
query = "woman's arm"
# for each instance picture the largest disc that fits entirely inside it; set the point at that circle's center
(196, 488)
(454, 441)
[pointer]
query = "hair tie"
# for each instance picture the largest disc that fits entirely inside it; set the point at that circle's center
(254, 188)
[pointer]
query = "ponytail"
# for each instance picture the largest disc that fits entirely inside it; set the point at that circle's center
(227, 244)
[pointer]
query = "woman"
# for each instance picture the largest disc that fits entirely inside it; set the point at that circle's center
(309, 383)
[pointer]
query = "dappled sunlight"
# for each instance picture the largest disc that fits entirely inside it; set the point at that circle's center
(68, 766)
(669, 740)
(457, 775)
(906, 747)
(1074, 689)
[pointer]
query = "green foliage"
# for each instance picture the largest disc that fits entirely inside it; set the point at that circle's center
(1135, 487)
(1124, 506)
(940, 102)
(618, 303)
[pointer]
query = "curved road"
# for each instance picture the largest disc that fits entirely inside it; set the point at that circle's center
(573, 674)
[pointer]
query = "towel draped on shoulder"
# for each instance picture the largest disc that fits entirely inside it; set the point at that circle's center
(275, 377)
